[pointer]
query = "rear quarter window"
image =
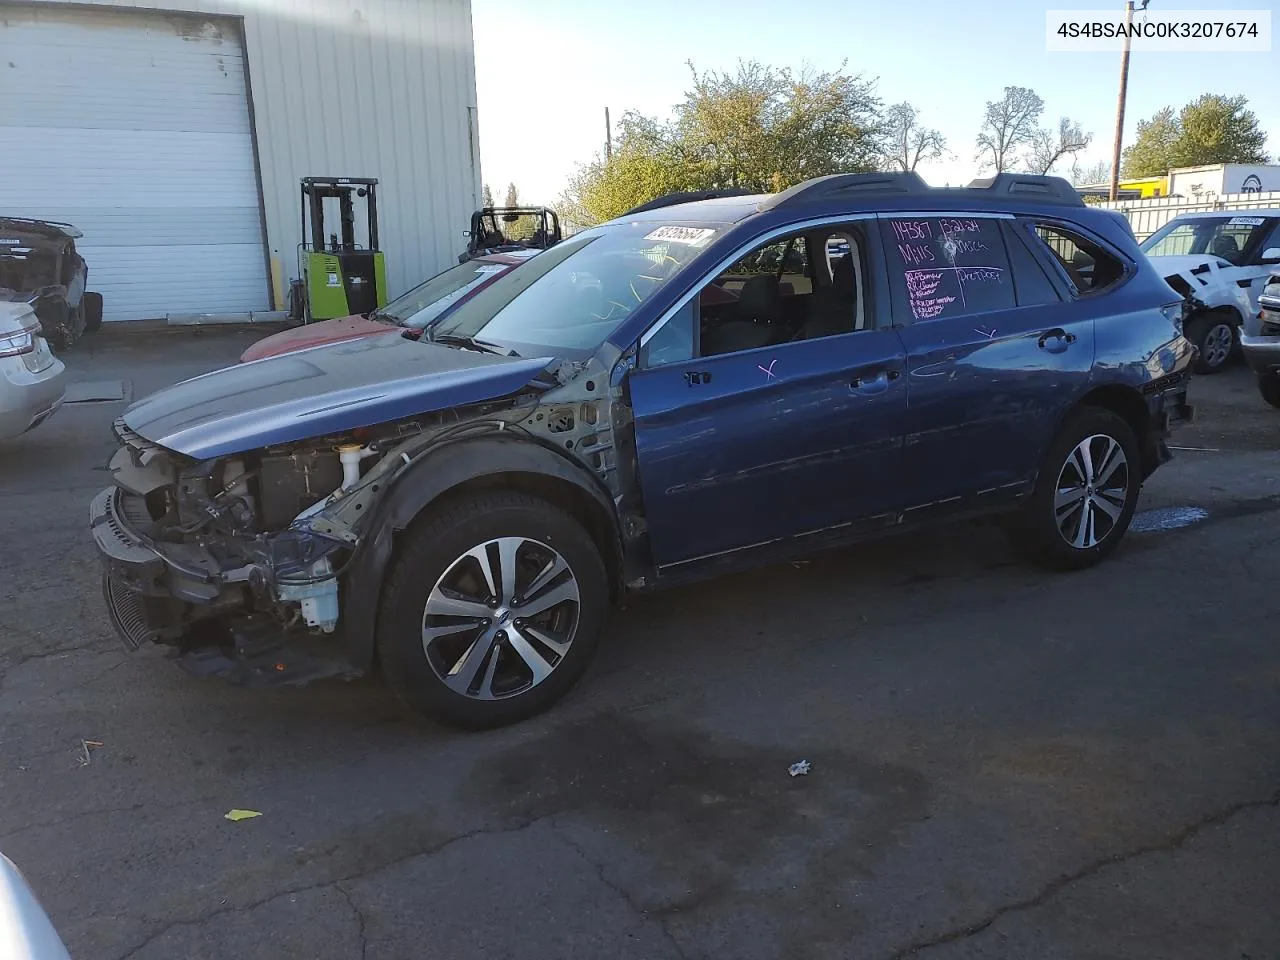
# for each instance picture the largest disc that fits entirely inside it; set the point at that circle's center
(942, 267)
(1088, 267)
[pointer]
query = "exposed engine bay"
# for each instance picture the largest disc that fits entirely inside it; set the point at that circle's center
(249, 549)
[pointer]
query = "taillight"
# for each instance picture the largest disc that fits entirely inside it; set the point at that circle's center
(16, 344)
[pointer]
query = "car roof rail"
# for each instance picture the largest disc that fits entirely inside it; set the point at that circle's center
(689, 196)
(1031, 187)
(840, 185)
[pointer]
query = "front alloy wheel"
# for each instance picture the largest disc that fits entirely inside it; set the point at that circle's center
(493, 609)
(1215, 338)
(501, 618)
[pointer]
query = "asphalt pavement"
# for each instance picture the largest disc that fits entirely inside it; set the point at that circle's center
(1003, 763)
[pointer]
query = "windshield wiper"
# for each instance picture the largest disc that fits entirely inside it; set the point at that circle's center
(471, 343)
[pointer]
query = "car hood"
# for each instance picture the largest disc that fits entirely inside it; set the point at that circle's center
(320, 391)
(314, 334)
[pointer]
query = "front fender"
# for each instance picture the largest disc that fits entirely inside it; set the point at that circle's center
(426, 481)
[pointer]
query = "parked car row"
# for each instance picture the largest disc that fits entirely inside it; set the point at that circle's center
(1260, 340)
(1220, 262)
(689, 389)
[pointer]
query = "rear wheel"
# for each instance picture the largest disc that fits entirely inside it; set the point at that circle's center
(1269, 387)
(492, 612)
(1085, 495)
(1214, 336)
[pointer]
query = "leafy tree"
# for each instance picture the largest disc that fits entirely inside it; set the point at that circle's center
(1048, 147)
(758, 128)
(1218, 129)
(486, 199)
(1008, 124)
(1151, 154)
(1210, 129)
(513, 196)
(906, 143)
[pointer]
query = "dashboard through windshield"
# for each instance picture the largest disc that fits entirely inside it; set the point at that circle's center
(568, 300)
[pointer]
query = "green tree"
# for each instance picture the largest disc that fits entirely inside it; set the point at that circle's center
(1008, 124)
(1151, 154)
(513, 196)
(486, 199)
(758, 128)
(1218, 129)
(1211, 129)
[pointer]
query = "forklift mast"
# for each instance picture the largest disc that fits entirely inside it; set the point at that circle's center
(315, 190)
(338, 276)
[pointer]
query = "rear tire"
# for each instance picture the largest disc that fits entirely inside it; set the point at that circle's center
(91, 304)
(1214, 334)
(1269, 387)
(473, 661)
(1085, 495)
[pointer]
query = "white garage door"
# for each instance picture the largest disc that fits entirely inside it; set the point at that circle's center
(134, 127)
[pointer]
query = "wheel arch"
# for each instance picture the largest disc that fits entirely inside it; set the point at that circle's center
(455, 471)
(1126, 402)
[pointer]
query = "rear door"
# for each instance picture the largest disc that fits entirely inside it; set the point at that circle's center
(759, 422)
(994, 353)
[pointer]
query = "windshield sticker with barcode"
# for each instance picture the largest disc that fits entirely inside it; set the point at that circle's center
(693, 236)
(1246, 221)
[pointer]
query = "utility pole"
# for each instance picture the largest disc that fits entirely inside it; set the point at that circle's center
(1124, 92)
(608, 136)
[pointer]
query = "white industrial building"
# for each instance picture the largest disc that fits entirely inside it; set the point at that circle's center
(174, 134)
(1221, 179)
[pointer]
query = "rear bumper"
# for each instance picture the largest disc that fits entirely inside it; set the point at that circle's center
(1168, 409)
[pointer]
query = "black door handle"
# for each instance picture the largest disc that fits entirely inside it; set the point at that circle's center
(1057, 333)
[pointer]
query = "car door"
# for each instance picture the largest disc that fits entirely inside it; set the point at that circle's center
(762, 441)
(993, 355)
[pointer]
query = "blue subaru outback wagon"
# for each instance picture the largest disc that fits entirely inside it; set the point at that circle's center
(694, 387)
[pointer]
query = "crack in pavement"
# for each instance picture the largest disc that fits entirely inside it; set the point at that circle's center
(364, 937)
(101, 812)
(1173, 841)
(322, 884)
(621, 891)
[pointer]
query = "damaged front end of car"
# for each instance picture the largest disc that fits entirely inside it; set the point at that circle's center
(264, 567)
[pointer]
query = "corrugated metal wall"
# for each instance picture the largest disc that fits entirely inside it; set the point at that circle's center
(371, 88)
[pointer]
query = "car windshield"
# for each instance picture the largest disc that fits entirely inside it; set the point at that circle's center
(569, 299)
(428, 301)
(1226, 237)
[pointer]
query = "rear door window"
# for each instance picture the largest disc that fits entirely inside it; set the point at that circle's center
(950, 266)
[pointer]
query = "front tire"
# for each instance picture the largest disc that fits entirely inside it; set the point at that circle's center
(1086, 493)
(1269, 387)
(492, 611)
(1214, 336)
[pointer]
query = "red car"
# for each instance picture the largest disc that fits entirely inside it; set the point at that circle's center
(415, 310)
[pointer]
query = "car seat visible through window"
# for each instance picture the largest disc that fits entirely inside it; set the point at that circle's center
(832, 308)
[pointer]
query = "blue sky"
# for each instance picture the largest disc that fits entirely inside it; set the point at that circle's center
(546, 69)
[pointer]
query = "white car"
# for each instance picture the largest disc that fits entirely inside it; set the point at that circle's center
(1220, 262)
(26, 932)
(32, 379)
